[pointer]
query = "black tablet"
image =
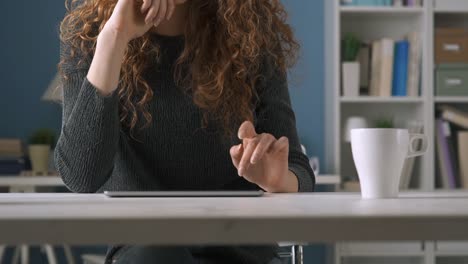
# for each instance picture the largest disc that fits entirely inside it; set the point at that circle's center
(185, 194)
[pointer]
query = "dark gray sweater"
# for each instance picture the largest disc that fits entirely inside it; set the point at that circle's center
(96, 153)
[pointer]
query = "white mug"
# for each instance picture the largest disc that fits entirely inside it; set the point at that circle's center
(379, 155)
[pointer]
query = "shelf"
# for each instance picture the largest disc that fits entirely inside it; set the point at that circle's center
(327, 180)
(374, 10)
(450, 11)
(372, 99)
(451, 99)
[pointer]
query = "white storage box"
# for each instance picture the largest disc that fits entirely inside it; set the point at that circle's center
(451, 5)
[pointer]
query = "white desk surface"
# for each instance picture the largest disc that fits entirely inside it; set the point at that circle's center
(51, 181)
(319, 217)
(34, 181)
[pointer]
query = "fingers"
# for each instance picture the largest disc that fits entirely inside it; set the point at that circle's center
(146, 5)
(236, 154)
(153, 11)
(162, 12)
(266, 141)
(170, 8)
(247, 155)
(246, 130)
(281, 145)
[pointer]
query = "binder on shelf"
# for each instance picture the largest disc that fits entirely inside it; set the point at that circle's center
(400, 69)
(445, 155)
(463, 158)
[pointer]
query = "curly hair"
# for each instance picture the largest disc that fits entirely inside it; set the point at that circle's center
(226, 44)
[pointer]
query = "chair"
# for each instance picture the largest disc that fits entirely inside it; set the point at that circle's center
(295, 255)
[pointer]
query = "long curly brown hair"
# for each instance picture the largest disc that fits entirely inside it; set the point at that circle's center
(226, 46)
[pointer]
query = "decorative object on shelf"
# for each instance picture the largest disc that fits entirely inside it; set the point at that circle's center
(54, 92)
(379, 156)
(384, 122)
(354, 122)
(40, 145)
(350, 66)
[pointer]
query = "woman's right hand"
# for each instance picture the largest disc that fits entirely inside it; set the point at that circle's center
(133, 18)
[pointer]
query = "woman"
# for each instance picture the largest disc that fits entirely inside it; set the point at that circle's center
(179, 95)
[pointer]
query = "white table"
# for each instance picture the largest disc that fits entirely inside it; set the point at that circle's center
(326, 217)
(29, 184)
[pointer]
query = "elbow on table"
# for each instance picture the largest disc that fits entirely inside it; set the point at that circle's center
(77, 180)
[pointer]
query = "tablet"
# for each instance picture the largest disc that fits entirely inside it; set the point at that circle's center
(185, 194)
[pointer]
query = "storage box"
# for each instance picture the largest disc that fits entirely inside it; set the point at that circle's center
(451, 45)
(450, 5)
(452, 80)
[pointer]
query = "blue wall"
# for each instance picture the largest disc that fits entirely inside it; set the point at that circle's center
(307, 78)
(30, 53)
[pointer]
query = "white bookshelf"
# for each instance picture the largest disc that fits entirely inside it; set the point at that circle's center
(451, 99)
(371, 23)
(384, 100)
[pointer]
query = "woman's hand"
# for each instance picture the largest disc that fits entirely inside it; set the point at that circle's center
(133, 18)
(263, 160)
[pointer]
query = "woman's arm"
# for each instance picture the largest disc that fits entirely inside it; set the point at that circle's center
(270, 154)
(274, 115)
(86, 148)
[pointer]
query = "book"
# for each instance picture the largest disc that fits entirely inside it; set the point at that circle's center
(363, 58)
(10, 147)
(386, 72)
(382, 67)
(454, 115)
(414, 64)
(12, 166)
(414, 127)
(375, 70)
(445, 155)
(400, 68)
(463, 158)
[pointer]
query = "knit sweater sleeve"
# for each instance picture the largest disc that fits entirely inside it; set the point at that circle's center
(87, 145)
(274, 115)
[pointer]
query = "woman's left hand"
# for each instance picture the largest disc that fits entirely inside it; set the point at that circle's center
(263, 160)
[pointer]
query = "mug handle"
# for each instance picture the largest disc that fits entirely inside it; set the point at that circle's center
(414, 153)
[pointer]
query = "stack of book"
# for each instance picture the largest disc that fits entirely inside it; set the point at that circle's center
(452, 148)
(381, 2)
(391, 68)
(12, 160)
